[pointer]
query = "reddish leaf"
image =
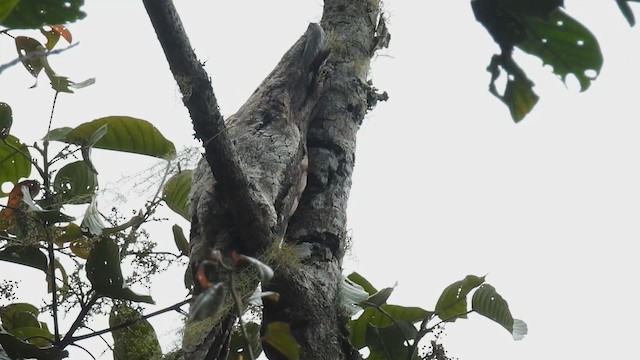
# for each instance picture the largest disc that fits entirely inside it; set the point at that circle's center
(52, 37)
(63, 31)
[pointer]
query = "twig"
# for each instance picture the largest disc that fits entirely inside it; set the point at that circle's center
(68, 338)
(238, 302)
(130, 322)
(35, 54)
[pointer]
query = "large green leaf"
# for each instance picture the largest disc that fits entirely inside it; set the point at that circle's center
(76, 183)
(137, 341)
(389, 342)
(25, 255)
(278, 336)
(33, 14)
(181, 241)
(18, 349)
(105, 274)
(565, 44)
(124, 133)
(176, 193)
(10, 314)
(487, 302)
(372, 316)
(13, 165)
(452, 303)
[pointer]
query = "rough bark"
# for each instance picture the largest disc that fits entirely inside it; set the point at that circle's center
(310, 294)
(303, 117)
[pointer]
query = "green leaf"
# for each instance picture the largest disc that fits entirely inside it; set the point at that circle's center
(134, 342)
(18, 349)
(278, 336)
(9, 315)
(373, 316)
(25, 255)
(389, 342)
(176, 193)
(452, 303)
(58, 134)
(238, 344)
(76, 183)
(6, 7)
(13, 165)
(208, 303)
(125, 134)
(360, 280)
(626, 11)
(6, 119)
(565, 44)
(104, 273)
(88, 145)
(34, 334)
(32, 14)
(487, 302)
(181, 241)
(32, 54)
(378, 298)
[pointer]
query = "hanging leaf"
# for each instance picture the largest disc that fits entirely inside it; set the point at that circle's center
(487, 302)
(104, 273)
(278, 336)
(6, 7)
(208, 303)
(181, 241)
(373, 316)
(65, 280)
(565, 44)
(25, 255)
(53, 34)
(6, 120)
(175, 193)
(378, 298)
(18, 349)
(452, 303)
(360, 280)
(81, 248)
(265, 271)
(125, 134)
(626, 10)
(76, 183)
(13, 164)
(32, 14)
(31, 54)
(137, 341)
(90, 142)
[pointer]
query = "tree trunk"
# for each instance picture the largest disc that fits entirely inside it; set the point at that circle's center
(298, 128)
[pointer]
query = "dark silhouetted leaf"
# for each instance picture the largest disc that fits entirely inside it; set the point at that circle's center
(265, 271)
(9, 315)
(31, 53)
(390, 341)
(6, 120)
(176, 193)
(378, 298)
(25, 255)
(208, 303)
(238, 344)
(373, 316)
(105, 274)
(18, 349)
(626, 10)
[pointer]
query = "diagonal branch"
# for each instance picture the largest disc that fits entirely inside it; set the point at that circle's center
(208, 123)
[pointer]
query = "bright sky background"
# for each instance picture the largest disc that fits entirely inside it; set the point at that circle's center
(445, 184)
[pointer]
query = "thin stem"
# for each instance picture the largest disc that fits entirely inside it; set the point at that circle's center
(130, 322)
(238, 302)
(406, 340)
(68, 338)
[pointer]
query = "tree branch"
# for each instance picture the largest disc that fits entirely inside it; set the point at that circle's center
(208, 123)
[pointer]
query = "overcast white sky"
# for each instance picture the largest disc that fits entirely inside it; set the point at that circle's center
(445, 184)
